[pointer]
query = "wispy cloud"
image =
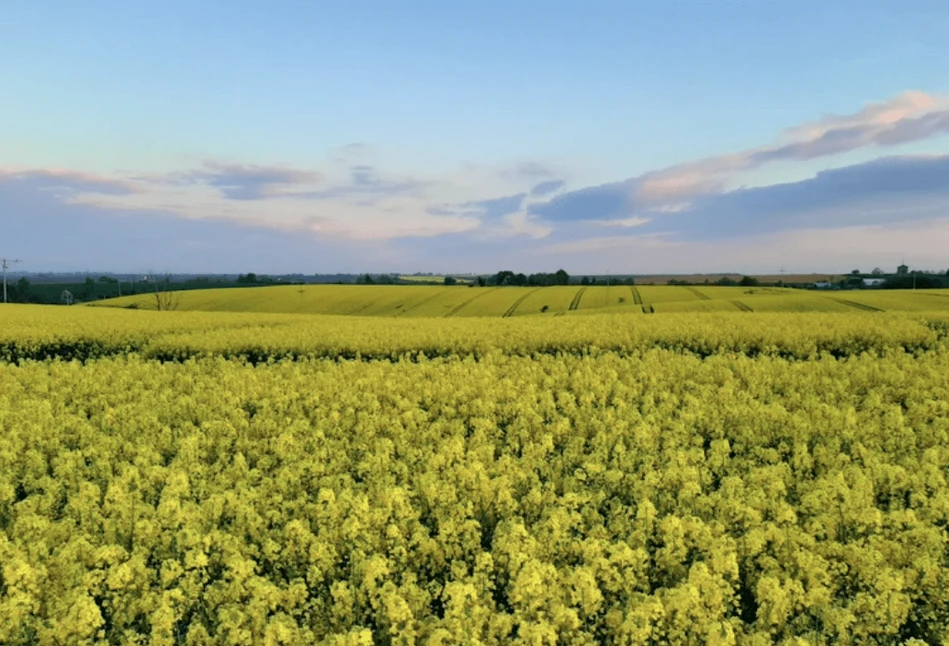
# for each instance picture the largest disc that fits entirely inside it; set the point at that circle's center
(252, 182)
(366, 182)
(546, 188)
(353, 199)
(908, 117)
(886, 190)
(67, 181)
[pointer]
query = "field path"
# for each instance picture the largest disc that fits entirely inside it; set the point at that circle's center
(855, 304)
(513, 308)
(741, 306)
(637, 298)
(420, 303)
(469, 301)
(701, 296)
(575, 303)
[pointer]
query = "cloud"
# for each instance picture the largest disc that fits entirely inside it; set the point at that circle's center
(251, 182)
(895, 193)
(546, 188)
(530, 170)
(365, 182)
(50, 234)
(67, 182)
(624, 223)
(837, 249)
(605, 202)
(887, 190)
(907, 117)
(496, 207)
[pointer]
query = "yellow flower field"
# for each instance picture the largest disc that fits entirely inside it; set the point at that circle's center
(682, 478)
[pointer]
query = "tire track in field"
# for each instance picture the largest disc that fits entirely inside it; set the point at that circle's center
(510, 311)
(637, 299)
(648, 309)
(360, 309)
(469, 301)
(855, 304)
(575, 303)
(420, 303)
(702, 297)
(741, 306)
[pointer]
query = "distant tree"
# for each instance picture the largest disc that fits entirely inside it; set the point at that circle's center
(20, 292)
(450, 280)
(563, 278)
(365, 279)
(481, 281)
(855, 272)
(247, 279)
(519, 279)
(165, 298)
(748, 281)
(585, 280)
(503, 277)
(877, 271)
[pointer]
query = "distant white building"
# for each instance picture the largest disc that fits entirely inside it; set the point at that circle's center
(873, 282)
(823, 285)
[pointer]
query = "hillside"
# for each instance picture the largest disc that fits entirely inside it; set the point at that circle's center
(427, 301)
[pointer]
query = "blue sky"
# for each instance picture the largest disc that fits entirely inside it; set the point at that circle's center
(432, 136)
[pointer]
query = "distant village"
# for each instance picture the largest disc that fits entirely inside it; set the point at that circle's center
(903, 278)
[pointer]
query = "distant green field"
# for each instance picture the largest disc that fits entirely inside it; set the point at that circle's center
(433, 301)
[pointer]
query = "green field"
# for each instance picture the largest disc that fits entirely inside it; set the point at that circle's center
(428, 301)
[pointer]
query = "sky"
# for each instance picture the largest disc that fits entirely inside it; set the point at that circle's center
(623, 137)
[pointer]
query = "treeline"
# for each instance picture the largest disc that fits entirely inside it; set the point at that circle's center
(506, 277)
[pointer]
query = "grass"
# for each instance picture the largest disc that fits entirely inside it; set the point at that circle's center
(435, 301)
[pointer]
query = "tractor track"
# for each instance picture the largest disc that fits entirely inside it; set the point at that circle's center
(513, 308)
(637, 299)
(702, 297)
(855, 304)
(420, 303)
(741, 306)
(575, 303)
(469, 301)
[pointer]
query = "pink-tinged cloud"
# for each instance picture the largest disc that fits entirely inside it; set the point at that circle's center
(56, 179)
(907, 117)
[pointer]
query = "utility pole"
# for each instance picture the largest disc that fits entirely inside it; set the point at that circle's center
(6, 265)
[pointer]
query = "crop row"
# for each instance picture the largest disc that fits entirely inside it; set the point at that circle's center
(38, 333)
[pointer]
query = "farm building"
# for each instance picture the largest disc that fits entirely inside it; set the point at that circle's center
(823, 285)
(873, 282)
